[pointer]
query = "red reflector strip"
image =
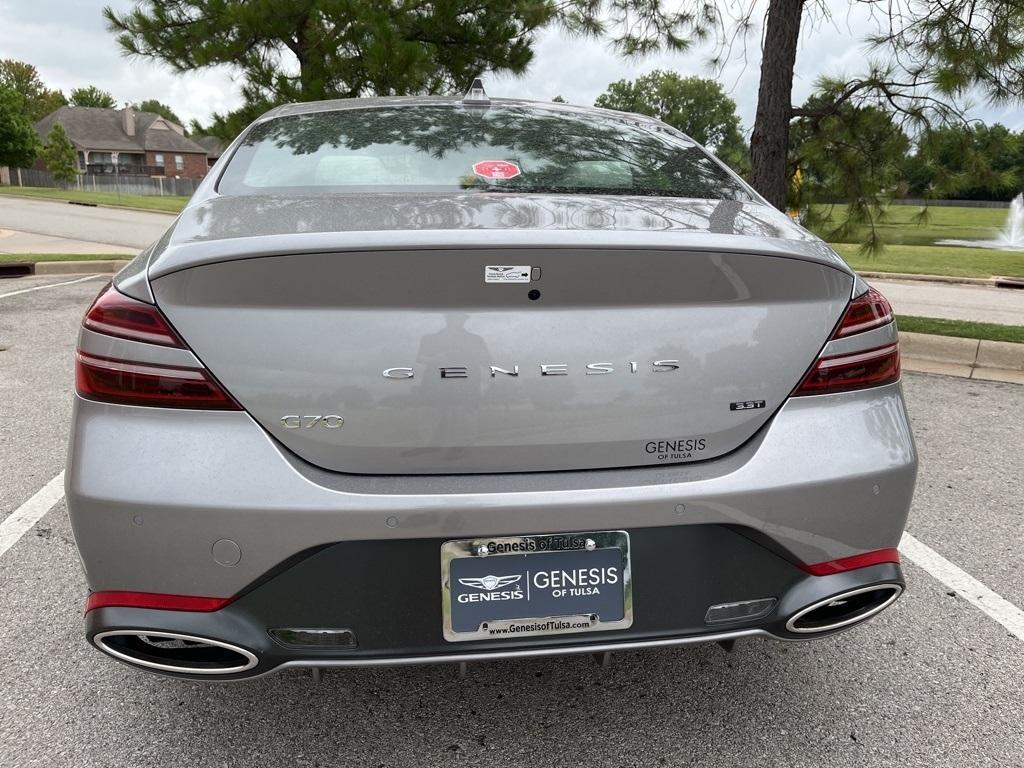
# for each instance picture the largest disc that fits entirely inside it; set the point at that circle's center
(859, 370)
(853, 562)
(128, 383)
(118, 599)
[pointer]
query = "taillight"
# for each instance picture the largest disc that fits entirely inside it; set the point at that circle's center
(115, 314)
(862, 368)
(868, 311)
(859, 370)
(166, 386)
(135, 382)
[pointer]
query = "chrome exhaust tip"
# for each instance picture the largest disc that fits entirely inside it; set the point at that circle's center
(174, 652)
(844, 609)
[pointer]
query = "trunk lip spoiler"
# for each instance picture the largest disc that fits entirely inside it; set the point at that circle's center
(178, 257)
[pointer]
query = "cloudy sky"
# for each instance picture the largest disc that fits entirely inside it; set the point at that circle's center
(68, 43)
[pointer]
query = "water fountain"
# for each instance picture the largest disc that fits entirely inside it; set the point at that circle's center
(1013, 233)
(1010, 239)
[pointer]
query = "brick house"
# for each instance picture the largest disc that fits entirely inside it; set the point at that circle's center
(127, 142)
(214, 147)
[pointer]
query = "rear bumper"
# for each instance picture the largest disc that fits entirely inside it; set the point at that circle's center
(157, 497)
(385, 593)
(151, 491)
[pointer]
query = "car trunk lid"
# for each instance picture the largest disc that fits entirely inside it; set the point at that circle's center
(412, 361)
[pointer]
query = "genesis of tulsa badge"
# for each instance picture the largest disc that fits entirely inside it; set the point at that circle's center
(503, 274)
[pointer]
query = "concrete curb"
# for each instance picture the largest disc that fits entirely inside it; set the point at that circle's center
(966, 358)
(89, 267)
(990, 281)
(996, 281)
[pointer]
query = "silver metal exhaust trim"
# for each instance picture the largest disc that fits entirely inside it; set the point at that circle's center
(100, 642)
(895, 589)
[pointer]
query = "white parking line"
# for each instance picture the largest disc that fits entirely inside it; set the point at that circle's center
(28, 514)
(965, 585)
(49, 285)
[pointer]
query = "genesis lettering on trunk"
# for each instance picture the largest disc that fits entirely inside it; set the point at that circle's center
(543, 369)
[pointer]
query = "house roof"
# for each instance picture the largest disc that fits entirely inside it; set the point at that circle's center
(214, 146)
(99, 129)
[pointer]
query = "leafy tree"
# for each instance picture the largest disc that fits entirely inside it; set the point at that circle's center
(1002, 152)
(559, 100)
(854, 154)
(966, 161)
(59, 155)
(91, 96)
(927, 57)
(18, 141)
(695, 105)
(158, 108)
(39, 101)
(302, 50)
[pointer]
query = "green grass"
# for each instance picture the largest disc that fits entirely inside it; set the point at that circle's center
(901, 228)
(10, 258)
(148, 202)
(910, 248)
(962, 328)
(936, 260)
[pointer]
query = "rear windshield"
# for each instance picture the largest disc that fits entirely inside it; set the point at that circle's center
(444, 148)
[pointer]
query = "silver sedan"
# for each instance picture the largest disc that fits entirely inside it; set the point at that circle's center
(438, 379)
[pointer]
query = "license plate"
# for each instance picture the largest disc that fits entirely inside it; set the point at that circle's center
(519, 586)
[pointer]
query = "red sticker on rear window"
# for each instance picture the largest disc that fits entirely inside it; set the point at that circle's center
(496, 169)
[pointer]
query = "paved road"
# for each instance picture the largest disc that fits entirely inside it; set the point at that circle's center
(954, 301)
(13, 241)
(135, 229)
(931, 682)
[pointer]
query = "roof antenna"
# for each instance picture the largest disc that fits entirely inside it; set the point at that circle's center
(476, 96)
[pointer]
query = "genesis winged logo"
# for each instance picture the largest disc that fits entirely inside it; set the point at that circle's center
(490, 583)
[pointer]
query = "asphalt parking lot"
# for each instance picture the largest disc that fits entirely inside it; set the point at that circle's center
(933, 681)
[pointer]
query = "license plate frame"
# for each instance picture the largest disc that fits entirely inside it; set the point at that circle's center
(514, 553)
